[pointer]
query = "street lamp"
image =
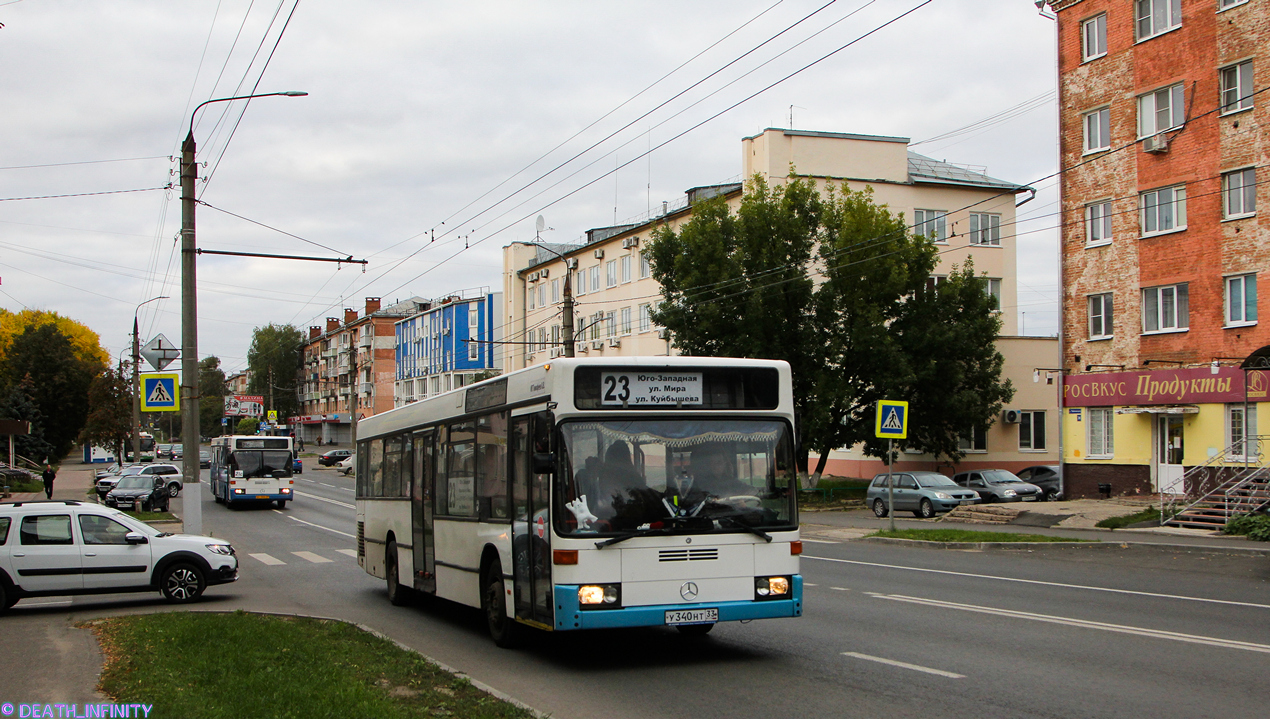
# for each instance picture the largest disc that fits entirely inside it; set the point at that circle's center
(189, 323)
(136, 381)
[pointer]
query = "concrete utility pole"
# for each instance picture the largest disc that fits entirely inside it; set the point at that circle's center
(354, 377)
(568, 310)
(136, 392)
(193, 505)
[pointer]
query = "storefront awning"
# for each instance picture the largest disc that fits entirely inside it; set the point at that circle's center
(1160, 409)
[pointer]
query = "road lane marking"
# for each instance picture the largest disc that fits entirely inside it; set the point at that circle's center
(324, 484)
(350, 552)
(324, 499)
(1042, 583)
(311, 524)
(840, 589)
(809, 584)
(819, 541)
(1083, 623)
(266, 559)
(315, 558)
(904, 665)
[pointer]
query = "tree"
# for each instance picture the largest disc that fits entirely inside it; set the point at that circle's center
(275, 359)
(109, 420)
(59, 380)
(85, 343)
(20, 405)
(836, 285)
(247, 425)
(212, 391)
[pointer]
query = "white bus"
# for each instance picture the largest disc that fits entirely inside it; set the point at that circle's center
(252, 468)
(591, 493)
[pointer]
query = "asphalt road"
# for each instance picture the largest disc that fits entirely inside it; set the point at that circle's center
(887, 630)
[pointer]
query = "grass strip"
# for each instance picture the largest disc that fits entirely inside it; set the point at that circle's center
(1150, 514)
(966, 535)
(153, 516)
(216, 666)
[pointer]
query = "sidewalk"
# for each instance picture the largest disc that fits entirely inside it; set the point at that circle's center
(73, 482)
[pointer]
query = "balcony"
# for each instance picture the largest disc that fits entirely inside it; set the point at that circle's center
(368, 388)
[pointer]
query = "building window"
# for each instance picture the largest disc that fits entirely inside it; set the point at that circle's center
(1241, 300)
(1032, 430)
(1165, 309)
(644, 269)
(1223, 4)
(595, 278)
(1093, 37)
(542, 338)
(610, 321)
(555, 335)
(985, 229)
(1163, 210)
(1098, 223)
(1241, 431)
(976, 440)
(1098, 130)
(1161, 110)
(993, 287)
(596, 320)
(581, 283)
(930, 224)
(1236, 87)
(473, 319)
(1100, 317)
(531, 296)
(473, 350)
(934, 281)
(626, 320)
(542, 294)
(1101, 435)
(610, 273)
(1239, 193)
(645, 318)
(555, 291)
(626, 268)
(1157, 16)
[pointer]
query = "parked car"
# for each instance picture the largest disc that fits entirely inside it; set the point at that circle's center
(37, 537)
(204, 458)
(998, 485)
(112, 470)
(333, 456)
(170, 473)
(297, 467)
(1049, 477)
(925, 494)
(146, 493)
(347, 465)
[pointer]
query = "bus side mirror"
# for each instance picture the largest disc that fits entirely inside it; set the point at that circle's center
(544, 463)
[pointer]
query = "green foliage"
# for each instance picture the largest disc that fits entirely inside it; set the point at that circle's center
(966, 535)
(274, 361)
(58, 377)
(109, 420)
(20, 405)
(836, 285)
(1253, 526)
(212, 391)
(262, 666)
(1150, 514)
(247, 425)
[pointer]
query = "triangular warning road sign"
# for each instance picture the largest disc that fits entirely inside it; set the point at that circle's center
(159, 395)
(892, 420)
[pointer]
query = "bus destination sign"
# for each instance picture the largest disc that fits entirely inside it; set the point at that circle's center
(650, 388)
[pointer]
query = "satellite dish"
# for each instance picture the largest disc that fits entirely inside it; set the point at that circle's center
(540, 223)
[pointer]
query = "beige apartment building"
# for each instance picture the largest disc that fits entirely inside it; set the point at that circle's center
(966, 212)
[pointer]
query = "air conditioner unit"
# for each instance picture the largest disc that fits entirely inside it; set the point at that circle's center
(663, 333)
(571, 263)
(615, 342)
(630, 242)
(1011, 416)
(597, 345)
(599, 254)
(556, 352)
(582, 347)
(1156, 143)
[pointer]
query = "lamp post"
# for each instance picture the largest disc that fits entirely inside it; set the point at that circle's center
(136, 381)
(193, 518)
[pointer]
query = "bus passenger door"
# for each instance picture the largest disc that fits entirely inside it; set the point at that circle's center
(421, 513)
(531, 520)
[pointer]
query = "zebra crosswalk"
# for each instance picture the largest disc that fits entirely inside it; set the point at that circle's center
(312, 557)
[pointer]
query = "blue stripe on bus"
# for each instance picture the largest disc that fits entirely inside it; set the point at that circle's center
(570, 616)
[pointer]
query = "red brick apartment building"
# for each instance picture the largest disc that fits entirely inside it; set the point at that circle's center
(1163, 144)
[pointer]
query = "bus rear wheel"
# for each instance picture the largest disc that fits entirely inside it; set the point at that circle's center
(398, 595)
(503, 629)
(282, 504)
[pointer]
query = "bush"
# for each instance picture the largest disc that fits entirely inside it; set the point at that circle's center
(1254, 526)
(1150, 514)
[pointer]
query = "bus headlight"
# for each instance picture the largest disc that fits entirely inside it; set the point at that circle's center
(771, 587)
(598, 595)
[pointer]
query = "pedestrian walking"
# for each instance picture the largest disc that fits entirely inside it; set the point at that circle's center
(49, 475)
(300, 440)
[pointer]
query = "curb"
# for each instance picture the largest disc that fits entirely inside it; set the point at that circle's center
(1099, 545)
(497, 694)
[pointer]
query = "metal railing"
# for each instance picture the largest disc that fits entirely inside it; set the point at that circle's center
(1230, 474)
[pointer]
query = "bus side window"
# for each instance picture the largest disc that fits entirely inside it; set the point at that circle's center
(376, 469)
(363, 449)
(392, 467)
(491, 466)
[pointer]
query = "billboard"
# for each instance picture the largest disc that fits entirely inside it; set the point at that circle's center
(244, 405)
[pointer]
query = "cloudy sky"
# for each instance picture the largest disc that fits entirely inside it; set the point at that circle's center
(468, 114)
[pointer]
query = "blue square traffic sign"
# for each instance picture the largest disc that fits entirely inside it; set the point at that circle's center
(160, 392)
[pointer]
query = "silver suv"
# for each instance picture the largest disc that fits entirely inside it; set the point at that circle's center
(61, 547)
(170, 473)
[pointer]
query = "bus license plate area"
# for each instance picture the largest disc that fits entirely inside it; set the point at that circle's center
(262, 496)
(691, 616)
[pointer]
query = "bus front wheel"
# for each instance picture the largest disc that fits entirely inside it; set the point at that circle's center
(502, 628)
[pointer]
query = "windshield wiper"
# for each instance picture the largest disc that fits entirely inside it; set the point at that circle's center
(752, 530)
(628, 535)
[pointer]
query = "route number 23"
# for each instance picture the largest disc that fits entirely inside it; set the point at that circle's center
(617, 388)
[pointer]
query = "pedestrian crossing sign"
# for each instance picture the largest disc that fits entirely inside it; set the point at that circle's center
(160, 392)
(892, 421)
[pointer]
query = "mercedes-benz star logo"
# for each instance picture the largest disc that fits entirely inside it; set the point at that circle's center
(688, 591)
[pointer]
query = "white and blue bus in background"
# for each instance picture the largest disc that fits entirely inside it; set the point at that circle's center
(591, 493)
(252, 468)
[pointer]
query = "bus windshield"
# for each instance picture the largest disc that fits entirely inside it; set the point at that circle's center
(622, 476)
(253, 463)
